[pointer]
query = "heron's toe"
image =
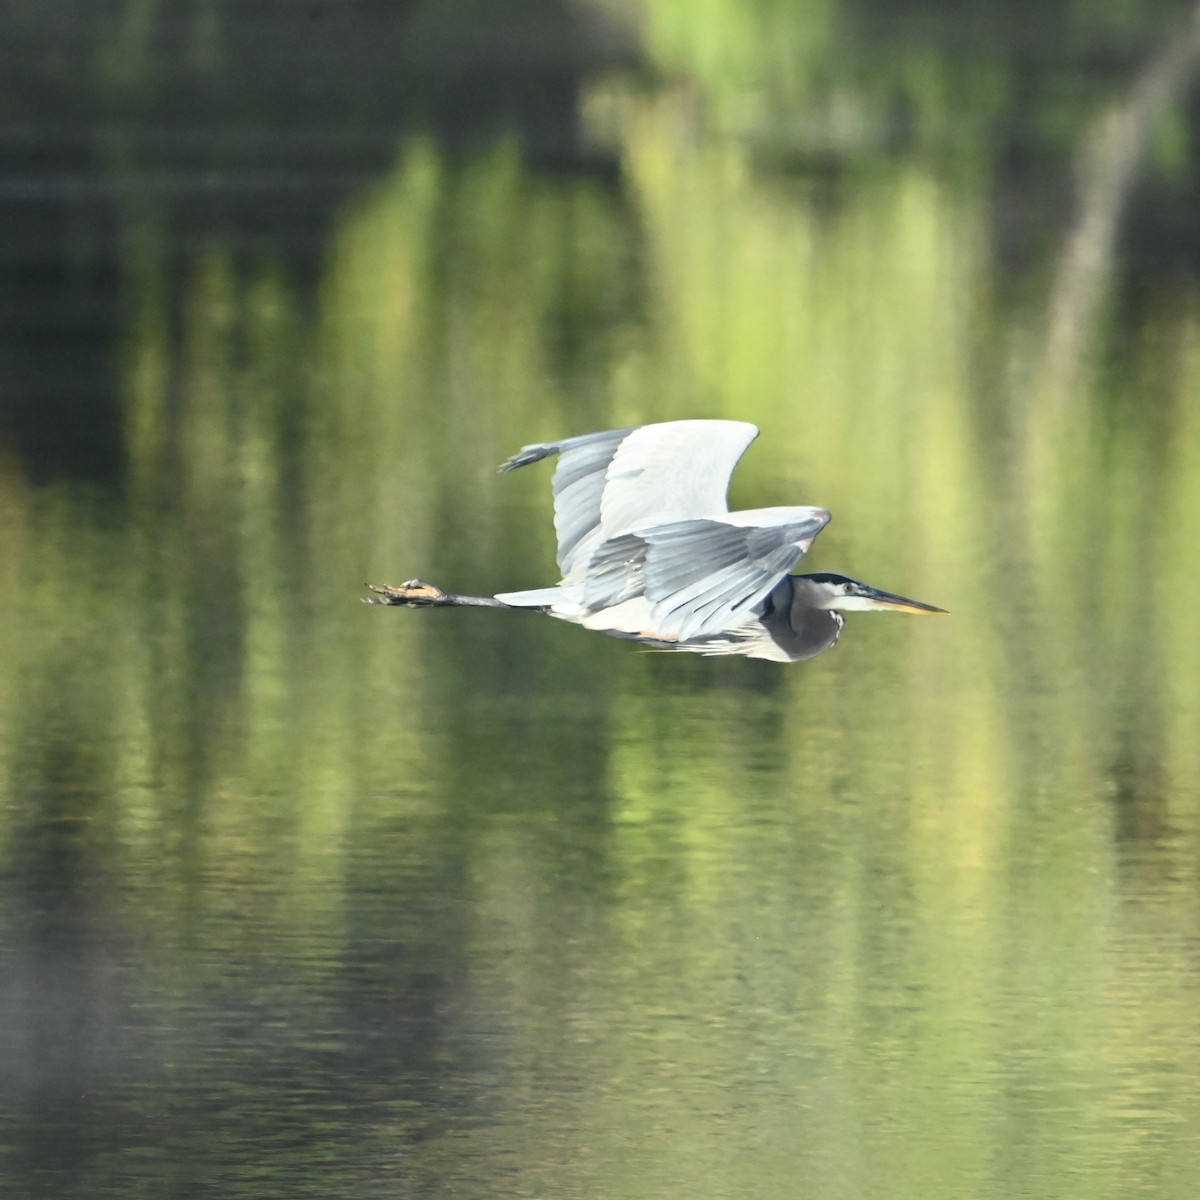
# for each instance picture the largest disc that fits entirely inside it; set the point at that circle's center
(415, 592)
(420, 589)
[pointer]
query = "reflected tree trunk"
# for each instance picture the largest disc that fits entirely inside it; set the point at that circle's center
(1108, 166)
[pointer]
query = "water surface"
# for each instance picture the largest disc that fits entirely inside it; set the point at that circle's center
(300, 897)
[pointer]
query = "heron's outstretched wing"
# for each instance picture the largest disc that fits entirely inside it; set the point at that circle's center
(700, 576)
(608, 484)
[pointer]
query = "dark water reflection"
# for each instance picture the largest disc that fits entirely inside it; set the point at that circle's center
(299, 897)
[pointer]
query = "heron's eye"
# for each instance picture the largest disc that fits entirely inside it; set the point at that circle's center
(847, 588)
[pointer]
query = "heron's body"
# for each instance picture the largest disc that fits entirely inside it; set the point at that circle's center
(649, 550)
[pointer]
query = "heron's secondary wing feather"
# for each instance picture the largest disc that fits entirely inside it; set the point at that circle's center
(615, 572)
(700, 576)
(701, 580)
(610, 484)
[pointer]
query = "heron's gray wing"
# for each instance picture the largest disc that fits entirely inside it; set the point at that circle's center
(700, 576)
(608, 484)
(578, 486)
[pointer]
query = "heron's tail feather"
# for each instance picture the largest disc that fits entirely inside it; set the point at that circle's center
(562, 601)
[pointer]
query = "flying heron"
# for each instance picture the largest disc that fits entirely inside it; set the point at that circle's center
(649, 550)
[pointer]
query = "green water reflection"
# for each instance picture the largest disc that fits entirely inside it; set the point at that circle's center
(306, 898)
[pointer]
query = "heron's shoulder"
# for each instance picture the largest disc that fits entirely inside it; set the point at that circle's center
(694, 431)
(806, 515)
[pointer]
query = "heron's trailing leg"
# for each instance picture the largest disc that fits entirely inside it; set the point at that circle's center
(416, 593)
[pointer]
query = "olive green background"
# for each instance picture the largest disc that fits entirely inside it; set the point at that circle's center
(304, 898)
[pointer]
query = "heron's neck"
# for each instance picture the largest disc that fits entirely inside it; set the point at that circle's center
(797, 621)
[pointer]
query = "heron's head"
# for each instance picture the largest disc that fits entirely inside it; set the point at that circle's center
(837, 592)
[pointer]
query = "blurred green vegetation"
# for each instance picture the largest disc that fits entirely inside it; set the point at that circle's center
(919, 916)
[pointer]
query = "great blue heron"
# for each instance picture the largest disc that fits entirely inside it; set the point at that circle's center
(649, 550)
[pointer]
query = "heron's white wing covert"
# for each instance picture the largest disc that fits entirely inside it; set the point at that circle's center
(609, 484)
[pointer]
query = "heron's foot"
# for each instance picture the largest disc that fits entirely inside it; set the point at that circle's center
(416, 593)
